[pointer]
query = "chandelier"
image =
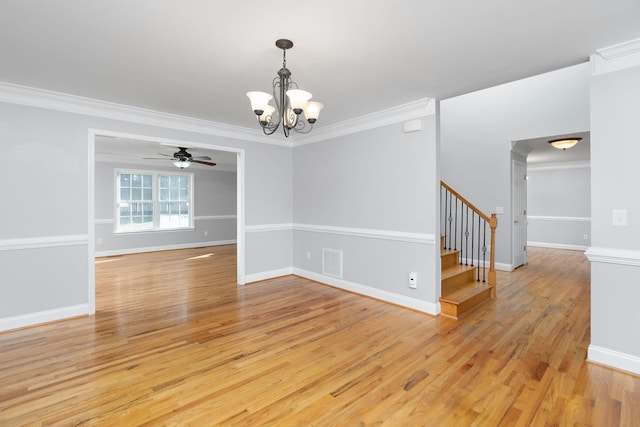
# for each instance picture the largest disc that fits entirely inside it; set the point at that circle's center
(289, 109)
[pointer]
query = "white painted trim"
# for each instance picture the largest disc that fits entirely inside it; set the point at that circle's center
(424, 238)
(578, 164)
(386, 296)
(104, 221)
(51, 100)
(164, 248)
(40, 98)
(616, 57)
(559, 218)
(214, 217)
(401, 113)
(614, 256)
(614, 359)
(502, 266)
(401, 236)
(265, 228)
(558, 246)
(256, 277)
(43, 242)
(24, 320)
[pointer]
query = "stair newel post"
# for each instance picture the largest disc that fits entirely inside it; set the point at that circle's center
(493, 224)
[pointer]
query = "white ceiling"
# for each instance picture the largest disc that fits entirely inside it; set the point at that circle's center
(199, 57)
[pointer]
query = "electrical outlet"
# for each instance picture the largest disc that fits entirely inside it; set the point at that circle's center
(413, 280)
(206, 233)
(586, 237)
(308, 255)
(99, 241)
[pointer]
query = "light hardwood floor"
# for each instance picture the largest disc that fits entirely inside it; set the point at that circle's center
(176, 342)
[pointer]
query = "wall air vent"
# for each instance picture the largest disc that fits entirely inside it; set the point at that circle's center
(332, 262)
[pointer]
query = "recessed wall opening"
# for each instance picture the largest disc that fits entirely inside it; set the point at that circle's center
(211, 214)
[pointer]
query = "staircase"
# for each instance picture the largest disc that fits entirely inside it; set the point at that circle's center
(466, 280)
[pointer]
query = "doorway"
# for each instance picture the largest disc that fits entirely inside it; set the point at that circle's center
(231, 152)
(519, 212)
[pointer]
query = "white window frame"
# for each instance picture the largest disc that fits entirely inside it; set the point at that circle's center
(155, 179)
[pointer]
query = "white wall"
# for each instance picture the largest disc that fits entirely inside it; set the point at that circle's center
(44, 235)
(215, 212)
(477, 130)
(559, 205)
(371, 195)
(615, 254)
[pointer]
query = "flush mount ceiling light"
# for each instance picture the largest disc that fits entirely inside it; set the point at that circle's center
(564, 143)
(291, 102)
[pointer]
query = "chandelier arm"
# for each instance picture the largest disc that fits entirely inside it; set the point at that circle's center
(303, 127)
(268, 128)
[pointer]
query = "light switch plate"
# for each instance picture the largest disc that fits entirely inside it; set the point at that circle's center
(620, 217)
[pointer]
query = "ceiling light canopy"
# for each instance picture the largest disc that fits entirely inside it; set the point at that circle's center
(564, 143)
(291, 102)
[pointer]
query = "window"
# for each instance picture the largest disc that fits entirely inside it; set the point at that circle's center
(148, 201)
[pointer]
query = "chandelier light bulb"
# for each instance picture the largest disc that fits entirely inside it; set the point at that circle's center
(298, 99)
(312, 111)
(259, 101)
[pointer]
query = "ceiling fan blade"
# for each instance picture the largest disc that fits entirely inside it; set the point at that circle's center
(203, 163)
(201, 158)
(156, 158)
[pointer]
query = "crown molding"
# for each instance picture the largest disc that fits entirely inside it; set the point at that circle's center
(578, 164)
(41, 98)
(616, 57)
(401, 113)
(51, 100)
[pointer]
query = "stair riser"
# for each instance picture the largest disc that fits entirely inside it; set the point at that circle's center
(455, 311)
(450, 284)
(448, 260)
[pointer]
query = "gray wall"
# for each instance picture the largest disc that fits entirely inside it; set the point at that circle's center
(215, 212)
(559, 206)
(477, 131)
(44, 237)
(614, 255)
(371, 195)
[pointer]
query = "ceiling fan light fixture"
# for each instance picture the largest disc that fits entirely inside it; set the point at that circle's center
(564, 143)
(182, 163)
(291, 102)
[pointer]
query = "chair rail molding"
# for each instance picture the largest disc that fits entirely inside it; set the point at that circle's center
(43, 242)
(614, 256)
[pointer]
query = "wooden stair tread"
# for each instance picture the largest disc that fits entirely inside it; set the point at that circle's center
(466, 292)
(456, 270)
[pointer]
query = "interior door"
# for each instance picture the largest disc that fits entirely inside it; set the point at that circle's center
(519, 213)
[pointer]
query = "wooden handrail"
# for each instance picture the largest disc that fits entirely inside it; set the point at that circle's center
(493, 224)
(466, 202)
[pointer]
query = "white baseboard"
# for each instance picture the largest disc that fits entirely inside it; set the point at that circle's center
(615, 359)
(163, 248)
(31, 319)
(256, 277)
(386, 296)
(558, 246)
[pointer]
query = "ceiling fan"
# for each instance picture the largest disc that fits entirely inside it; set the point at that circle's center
(182, 159)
